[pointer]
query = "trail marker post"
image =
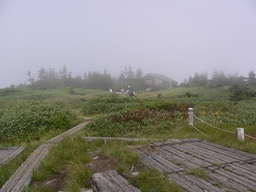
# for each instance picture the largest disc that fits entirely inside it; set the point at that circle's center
(190, 117)
(240, 134)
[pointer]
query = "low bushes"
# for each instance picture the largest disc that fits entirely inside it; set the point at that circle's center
(29, 120)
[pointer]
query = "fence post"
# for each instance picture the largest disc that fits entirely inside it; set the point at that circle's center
(240, 134)
(190, 116)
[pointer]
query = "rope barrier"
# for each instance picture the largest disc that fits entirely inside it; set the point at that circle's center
(198, 130)
(218, 128)
(249, 136)
(213, 125)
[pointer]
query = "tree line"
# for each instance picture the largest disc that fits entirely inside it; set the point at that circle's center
(219, 79)
(50, 79)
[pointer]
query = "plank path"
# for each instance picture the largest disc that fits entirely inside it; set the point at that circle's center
(22, 176)
(224, 169)
(8, 153)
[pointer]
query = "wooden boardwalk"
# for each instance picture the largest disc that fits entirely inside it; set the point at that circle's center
(8, 153)
(22, 176)
(225, 169)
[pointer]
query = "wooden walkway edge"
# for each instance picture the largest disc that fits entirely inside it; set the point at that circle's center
(111, 181)
(22, 176)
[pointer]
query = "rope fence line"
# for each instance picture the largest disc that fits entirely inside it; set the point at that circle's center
(240, 133)
(199, 130)
(250, 136)
(213, 125)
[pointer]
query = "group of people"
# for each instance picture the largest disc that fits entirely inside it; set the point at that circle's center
(129, 91)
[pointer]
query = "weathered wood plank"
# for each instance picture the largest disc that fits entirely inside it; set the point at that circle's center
(236, 179)
(147, 161)
(176, 141)
(222, 151)
(206, 160)
(182, 162)
(186, 185)
(248, 155)
(117, 138)
(227, 183)
(250, 167)
(6, 151)
(191, 183)
(160, 162)
(185, 159)
(10, 154)
(242, 171)
(110, 181)
(179, 158)
(205, 153)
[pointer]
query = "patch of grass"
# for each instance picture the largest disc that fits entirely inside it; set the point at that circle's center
(152, 180)
(126, 158)
(68, 159)
(198, 173)
(78, 176)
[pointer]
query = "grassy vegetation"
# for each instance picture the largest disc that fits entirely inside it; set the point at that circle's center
(198, 173)
(30, 117)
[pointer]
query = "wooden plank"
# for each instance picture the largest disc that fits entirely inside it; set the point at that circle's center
(175, 159)
(168, 142)
(110, 181)
(227, 183)
(3, 154)
(242, 171)
(12, 154)
(191, 183)
(250, 167)
(147, 161)
(186, 185)
(176, 141)
(209, 160)
(248, 155)
(206, 154)
(222, 151)
(236, 179)
(117, 138)
(160, 163)
(186, 160)
(179, 158)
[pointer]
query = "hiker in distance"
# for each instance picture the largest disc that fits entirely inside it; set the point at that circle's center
(130, 92)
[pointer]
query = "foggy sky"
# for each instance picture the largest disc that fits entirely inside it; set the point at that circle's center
(176, 38)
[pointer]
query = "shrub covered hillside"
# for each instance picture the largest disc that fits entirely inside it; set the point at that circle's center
(29, 120)
(122, 116)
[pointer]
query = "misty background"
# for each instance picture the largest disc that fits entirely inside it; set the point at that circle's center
(176, 38)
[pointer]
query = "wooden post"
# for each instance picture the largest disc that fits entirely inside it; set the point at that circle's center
(190, 116)
(240, 134)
